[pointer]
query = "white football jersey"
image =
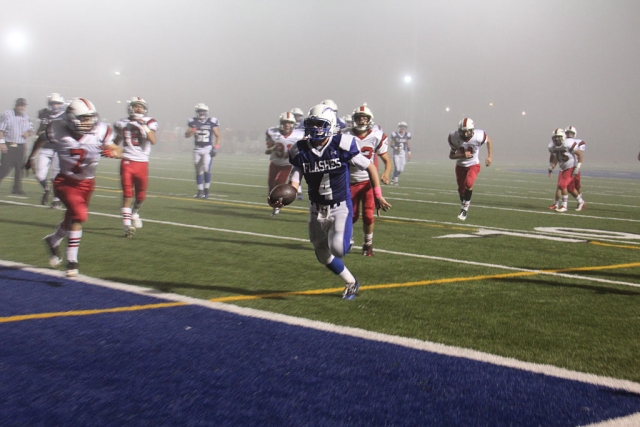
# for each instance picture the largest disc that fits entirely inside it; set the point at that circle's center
(581, 143)
(565, 153)
(371, 143)
(472, 146)
(282, 143)
(135, 144)
(79, 158)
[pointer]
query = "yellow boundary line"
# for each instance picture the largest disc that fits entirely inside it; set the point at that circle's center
(309, 292)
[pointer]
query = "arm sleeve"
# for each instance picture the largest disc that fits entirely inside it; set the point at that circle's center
(360, 161)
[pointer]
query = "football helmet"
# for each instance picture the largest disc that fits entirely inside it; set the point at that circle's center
(55, 101)
(298, 113)
(362, 111)
(320, 123)
(558, 136)
(287, 117)
(348, 120)
(331, 104)
(202, 110)
(81, 115)
(572, 130)
(136, 100)
(466, 128)
(403, 125)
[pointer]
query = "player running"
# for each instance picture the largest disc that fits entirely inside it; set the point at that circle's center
(204, 129)
(136, 133)
(371, 141)
(279, 140)
(323, 158)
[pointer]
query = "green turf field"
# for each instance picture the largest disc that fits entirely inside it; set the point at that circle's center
(497, 283)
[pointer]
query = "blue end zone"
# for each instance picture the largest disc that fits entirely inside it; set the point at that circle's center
(194, 366)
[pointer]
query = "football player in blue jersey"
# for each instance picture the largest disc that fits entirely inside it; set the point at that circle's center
(323, 158)
(204, 129)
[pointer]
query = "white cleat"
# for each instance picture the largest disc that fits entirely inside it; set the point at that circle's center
(136, 221)
(581, 206)
(561, 209)
(129, 231)
(462, 215)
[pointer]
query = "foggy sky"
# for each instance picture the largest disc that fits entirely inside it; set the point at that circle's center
(563, 62)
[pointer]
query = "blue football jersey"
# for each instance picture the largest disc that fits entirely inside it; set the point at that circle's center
(204, 135)
(326, 172)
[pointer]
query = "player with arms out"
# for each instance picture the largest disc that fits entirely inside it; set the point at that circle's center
(401, 150)
(279, 140)
(565, 153)
(204, 129)
(323, 158)
(46, 165)
(80, 139)
(136, 133)
(465, 146)
(371, 141)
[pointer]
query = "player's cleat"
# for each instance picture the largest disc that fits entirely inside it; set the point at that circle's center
(205, 195)
(45, 197)
(300, 196)
(136, 221)
(55, 259)
(56, 204)
(275, 212)
(72, 269)
(553, 207)
(200, 195)
(561, 209)
(129, 231)
(581, 206)
(462, 215)
(350, 290)
(367, 249)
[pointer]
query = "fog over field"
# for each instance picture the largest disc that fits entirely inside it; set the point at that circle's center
(518, 68)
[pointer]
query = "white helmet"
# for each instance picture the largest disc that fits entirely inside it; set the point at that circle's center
(362, 111)
(78, 113)
(571, 129)
(466, 128)
(348, 120)
(287, 117)
(331, 105)
(403, 125)
(136, 100)
(202, 110)
(320, 123)
(558, 136)
(55, 101)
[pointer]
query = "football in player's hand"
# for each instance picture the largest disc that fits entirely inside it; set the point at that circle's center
(285, 193)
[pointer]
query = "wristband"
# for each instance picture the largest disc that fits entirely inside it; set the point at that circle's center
(377, 192)
(551, 166)
(2, 141)
(216, 146)
(578, 165)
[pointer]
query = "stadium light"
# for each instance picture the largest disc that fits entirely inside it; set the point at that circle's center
(447, 109)
(407, 79)
(16, 41)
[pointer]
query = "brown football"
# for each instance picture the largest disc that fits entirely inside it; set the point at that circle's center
(286, 193)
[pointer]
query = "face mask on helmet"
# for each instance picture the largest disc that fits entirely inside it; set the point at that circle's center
(362, 122)
(466, 129)
(55, 102)
(287, 122)
(558, 137)
(317, 129)
(137, 108)
(571, 132)
(81, 116)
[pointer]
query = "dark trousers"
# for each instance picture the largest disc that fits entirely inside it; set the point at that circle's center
(13, 159)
